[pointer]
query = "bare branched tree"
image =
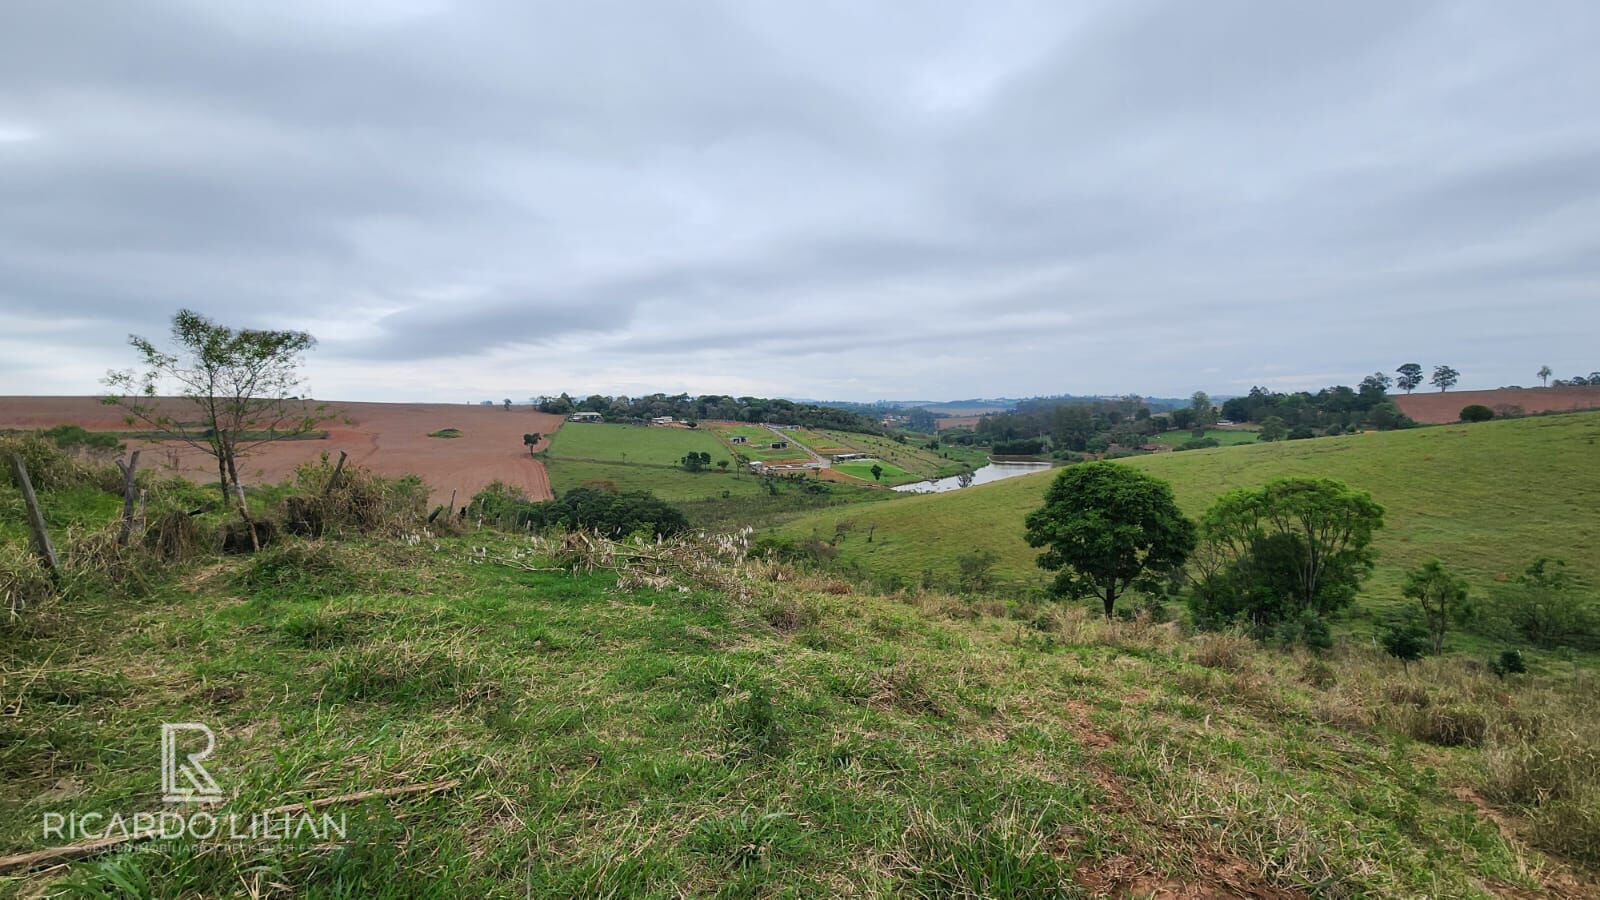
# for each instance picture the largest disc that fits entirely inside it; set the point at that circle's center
(235, 391)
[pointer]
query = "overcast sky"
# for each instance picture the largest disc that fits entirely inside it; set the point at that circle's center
(843, 200)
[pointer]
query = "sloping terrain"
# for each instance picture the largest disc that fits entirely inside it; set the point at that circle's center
(391, 439)
(1485, 498)
(1438, 407)
(746, 730)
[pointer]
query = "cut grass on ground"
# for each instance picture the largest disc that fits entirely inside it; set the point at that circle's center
(804, 741)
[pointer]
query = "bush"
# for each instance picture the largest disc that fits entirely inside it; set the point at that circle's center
(581, 509)
(1476, 412)
(1544, 606)
(1199, 444)
(1222, 651)
(1509, 662)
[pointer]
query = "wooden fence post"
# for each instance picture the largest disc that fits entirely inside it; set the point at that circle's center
(333, 480)
(41, 534)
(128, 496)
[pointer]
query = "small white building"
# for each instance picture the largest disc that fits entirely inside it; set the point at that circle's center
(584, 417)
(662, 420)
(738, 439)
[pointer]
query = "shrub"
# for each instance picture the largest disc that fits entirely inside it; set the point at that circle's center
(1476, 412)
(1545, 607)
(1199, 444)
(1509, 662)
(581, 509)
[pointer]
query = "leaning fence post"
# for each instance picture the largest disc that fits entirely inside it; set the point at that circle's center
(129, 469)
(41, 534)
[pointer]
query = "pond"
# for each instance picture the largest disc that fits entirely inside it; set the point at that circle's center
(994, 471)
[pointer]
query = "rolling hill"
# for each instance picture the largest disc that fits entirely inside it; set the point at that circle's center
(1484, 498)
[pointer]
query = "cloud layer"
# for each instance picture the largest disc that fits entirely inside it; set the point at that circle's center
(822, 199)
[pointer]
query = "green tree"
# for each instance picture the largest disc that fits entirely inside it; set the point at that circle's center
(1476, 412)
(722, 464)
(530, 440)
(1405, 641)
(977, 569)
(1105, 527)
(1273, 428)
(1544, 375)
(1292, 545)
(1410, 377)
(1442, 596)
(1444, 378)
(237, 390)
(877, 472)
(696, 461)
(507, 402)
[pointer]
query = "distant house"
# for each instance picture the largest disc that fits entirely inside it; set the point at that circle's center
(584, 417)
(846, 457)
(661, 420)
(738, 439)
(780, 445)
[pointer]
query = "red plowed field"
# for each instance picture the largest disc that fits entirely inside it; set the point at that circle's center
(388, 438)
(1435, 408)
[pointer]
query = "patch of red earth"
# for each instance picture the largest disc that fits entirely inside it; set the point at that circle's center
(390, 439)
(1441, 407)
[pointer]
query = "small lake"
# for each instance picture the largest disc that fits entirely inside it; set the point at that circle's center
(995, 471)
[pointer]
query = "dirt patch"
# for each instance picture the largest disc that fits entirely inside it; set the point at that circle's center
(391, 439)
(1437, 408)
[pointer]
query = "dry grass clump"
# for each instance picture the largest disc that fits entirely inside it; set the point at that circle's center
(23, 581)
(1552, 769)
(359, 502)
(1223, 650)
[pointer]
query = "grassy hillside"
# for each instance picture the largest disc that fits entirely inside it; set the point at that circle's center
(1227, 437)
(1484, 498)
(633, 443)
(751, 733)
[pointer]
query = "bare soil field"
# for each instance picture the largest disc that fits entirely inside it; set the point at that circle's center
(388, 438)
(1435, 408)
(950, 422)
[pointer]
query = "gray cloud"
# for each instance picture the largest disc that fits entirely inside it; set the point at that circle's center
(822, 199)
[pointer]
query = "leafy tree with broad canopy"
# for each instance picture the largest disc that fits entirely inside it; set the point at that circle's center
(1410, 377)
(238, 389)
(1106, 527)
(1444, 378)
(1290, 546)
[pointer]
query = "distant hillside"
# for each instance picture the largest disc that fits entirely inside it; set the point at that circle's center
(1485, 498)
(1439, 407)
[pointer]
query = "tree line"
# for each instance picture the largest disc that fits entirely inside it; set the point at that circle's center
(690, 408)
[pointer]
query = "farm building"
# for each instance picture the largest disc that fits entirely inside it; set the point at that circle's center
(846, 457)
(584, 417)
(738, 439)
(661, 420)
(780, 445)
